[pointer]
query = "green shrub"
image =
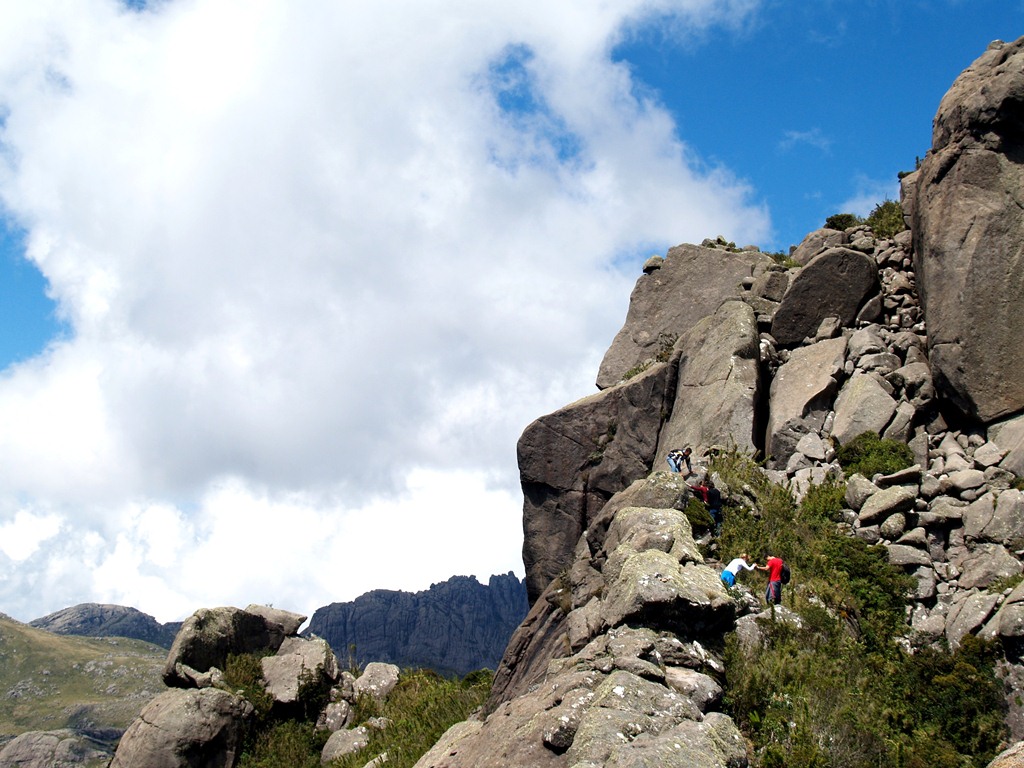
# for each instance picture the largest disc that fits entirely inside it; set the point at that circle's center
(698, 515)
(869, 454)
(421, 708)
(886, 219)
(843, 221)
(244, 672)
(286, 744)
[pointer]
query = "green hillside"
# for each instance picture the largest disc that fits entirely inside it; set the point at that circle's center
(92, 685)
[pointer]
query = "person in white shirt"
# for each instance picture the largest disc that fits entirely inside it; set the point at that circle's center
(731, 571)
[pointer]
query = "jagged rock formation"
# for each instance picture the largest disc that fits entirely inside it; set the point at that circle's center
(100, 620)
(623, 609)
(457, 626)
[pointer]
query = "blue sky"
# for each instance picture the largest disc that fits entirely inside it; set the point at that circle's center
(818, 104)
(292, 278)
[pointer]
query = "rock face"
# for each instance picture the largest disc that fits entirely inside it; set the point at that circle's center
(627, 681)
(965, 205)
(457, 626)
(98, 620)
(687, 286)
(572, 461)
(718, 385)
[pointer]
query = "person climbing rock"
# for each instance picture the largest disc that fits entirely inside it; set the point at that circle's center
(712, 498)
(732, 570)
(677, 458)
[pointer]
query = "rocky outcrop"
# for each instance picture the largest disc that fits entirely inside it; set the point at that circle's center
(455, 627)
(209, 635)
(965, 205)
(100, 620)
(914, 337)
(203, 721)
(673, 295)
(618, 660)
(572, 461)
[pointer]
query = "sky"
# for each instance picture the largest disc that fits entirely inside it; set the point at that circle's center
(283, 281)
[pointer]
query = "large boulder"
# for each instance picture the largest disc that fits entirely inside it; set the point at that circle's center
(184, 728)
(297, 661)
(863, 405)
(835, 283)
(719, 386)
(968, 225)
(573, 460)
(210, 634)
(689, 285)
(801, 396)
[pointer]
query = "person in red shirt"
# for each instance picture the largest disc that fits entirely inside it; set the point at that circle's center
(774, 567)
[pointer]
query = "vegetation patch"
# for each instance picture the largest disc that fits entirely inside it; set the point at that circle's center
(837, 689)
(886, 219)
(421, 708)
(869, 454)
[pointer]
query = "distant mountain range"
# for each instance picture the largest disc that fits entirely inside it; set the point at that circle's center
(455, 627)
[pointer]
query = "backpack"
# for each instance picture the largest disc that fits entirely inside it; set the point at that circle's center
(785, 575)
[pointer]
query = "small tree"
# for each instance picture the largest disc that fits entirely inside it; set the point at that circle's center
(843, 221)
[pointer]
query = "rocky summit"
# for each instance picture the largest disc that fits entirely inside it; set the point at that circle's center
(915, 336)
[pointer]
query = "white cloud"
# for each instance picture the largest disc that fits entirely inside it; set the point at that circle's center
(868, 193)
(321, 271)
(812, 138)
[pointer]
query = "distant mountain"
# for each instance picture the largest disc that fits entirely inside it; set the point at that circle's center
(99, 620)
(455, 627)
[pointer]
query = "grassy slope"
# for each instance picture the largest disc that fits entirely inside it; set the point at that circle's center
(50, 681)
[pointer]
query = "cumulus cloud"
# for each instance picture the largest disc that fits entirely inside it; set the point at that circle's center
(321, 264)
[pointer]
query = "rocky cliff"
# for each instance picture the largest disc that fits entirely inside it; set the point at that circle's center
(916, 337)
(457, 626)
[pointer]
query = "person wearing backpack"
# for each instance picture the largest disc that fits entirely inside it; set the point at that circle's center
(778, 574)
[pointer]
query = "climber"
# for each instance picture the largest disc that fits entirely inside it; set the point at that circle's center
(731, 571)
(677, 458)
(775, 567)
(712, 498)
